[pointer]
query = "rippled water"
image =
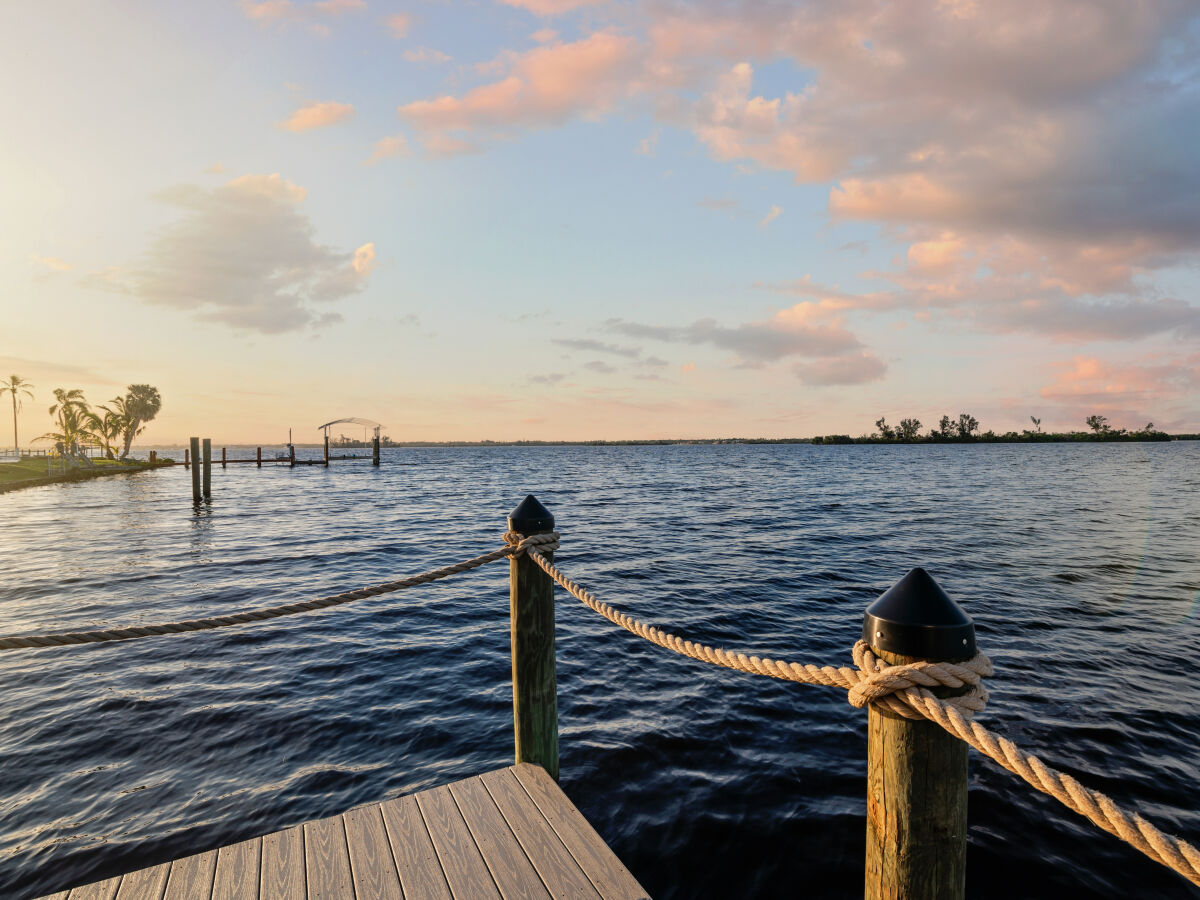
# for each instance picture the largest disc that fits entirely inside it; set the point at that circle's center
(1078, 563)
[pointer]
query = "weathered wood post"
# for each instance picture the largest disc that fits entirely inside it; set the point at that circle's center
(327, 449)
(258, 457)
(375, 451)
(206, 449)
(195, 448)
(531, 619)
(916, 771)
(292, 455)
(223, 466)
(186, 457)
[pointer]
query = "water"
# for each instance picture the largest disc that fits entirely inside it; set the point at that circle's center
(1078, 563)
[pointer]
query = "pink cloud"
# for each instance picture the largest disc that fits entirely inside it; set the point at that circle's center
(317, 115)
(309, 15)
(389, 148)
(398, 24)
(544, 86)
(550, 7)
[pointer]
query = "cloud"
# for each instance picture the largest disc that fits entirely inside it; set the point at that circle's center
(648, 145)
(243, 255)
(548, 379)
(550, 7)
(389, 148)
(215, 169)
(593, 346)
(597, 365)
(772, 214)
(398, 24)
(52, 263)
(426, 55)
(857, 368)
(544, 86)
(719, 203)
(1088, 379)
(317, 115)
(307, 15)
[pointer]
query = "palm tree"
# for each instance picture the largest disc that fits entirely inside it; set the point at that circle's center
(73, 397)
(107, 428)
(72, 429)
(140, 404)
(16, 385)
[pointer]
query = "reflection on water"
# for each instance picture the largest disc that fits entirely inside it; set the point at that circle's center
(1078, 563)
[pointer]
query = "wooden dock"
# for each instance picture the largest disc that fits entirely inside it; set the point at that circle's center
(511, 833)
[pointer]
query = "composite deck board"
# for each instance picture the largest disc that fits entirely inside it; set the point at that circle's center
(144, 883)
(607, 873)
(508, 835)
(560, 873)
(191, 878)
(371, 862)
(236, 876)
(462, 863)
(514, 873)
(327, 860)
(281, 871)
(417, 862)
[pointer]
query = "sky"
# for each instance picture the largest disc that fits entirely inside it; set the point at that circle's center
(583, 219)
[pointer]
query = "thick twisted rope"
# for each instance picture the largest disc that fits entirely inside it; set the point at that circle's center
(905, 690)
(60, 639)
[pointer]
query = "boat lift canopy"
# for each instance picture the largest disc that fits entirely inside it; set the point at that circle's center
(351, 421)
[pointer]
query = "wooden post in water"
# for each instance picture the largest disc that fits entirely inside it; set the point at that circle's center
(206, 449)
(916, 771)
(186, 459)
(375, 451)
(223, 466)
(531, 618)
(195, 448)
(327, 449)
(292, 456)
(258, 457)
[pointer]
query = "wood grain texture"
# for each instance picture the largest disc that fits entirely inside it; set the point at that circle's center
(466, 873)
(191, 878)
(514, 873)
(97, 890)
(560, 873)
(237, 875)
(327, 860)
(535, 684)
(607, 873)
(916, 806)
(282, 866)
(144, 884)
(371, 863)
(417, 862)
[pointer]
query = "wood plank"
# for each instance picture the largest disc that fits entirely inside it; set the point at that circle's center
(560, 873)
(514, 873)
(61, 895)
(191, 878)
(606, 872)
(327, 860)
(466, 872)
(421, 873)
(97, 890)
(237, 871)
(282, 865)
(371, 863)
(144, 884)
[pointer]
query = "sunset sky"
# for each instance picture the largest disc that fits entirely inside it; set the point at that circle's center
(585, 219)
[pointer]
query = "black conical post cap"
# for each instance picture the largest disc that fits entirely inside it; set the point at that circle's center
(915, 617)
(530, 517)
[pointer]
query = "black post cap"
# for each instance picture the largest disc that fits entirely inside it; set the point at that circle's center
(915, 617)
(530, 517)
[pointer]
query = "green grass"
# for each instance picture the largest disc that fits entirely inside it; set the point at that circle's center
(33, 471)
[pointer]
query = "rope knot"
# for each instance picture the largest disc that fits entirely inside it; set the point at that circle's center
(903, 688)
(518, 543)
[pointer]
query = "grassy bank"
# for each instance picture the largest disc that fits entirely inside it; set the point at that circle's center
(33, 472)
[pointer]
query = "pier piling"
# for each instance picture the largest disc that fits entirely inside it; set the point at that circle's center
(258, 457)
(531, 618)
(375, 451)
(916, 771)
(327, 449)
(195, 464)
(223, 465)
(187, 458)
(206, 449)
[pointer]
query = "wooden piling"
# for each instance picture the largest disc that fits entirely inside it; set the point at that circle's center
(258, 456)
(327, 450)
(531, 619)
(195, 456)
(292, 455)
(223, 466)
(916, 771)
(375, 451)
(186, 459)
(206, 449)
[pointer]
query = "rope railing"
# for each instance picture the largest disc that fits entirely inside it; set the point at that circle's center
(905, 690)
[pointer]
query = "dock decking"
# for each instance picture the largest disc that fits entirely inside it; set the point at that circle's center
(511, 833)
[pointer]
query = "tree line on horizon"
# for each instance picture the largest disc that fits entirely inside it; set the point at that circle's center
(965, 429)
(108, 426)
